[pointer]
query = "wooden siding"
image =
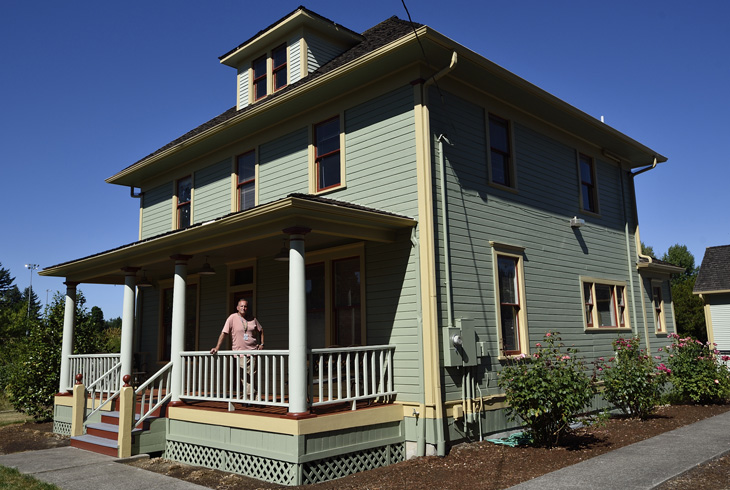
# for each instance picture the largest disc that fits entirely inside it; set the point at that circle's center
(212, 192)
(380, 154)
(243, 94)
(283, 166)
(295, 59)
(720, 314)
(156, 210)
(319, 51)
(535, 217)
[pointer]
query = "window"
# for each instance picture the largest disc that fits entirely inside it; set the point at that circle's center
(327, 154)
(589, 199)
(259, 78)
(604, 304)
(246, 170)
(510, 299)
(241, 285)
(500, 157)
(279, 72)
(184, 199)
(334, 297)
(658, 302)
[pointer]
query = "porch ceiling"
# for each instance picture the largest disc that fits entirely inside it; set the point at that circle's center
(248, 234)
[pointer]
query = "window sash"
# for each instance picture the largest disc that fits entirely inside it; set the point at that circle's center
(658, 308)
(327, 154)
(509, 303)
(184, 201)
(587, 183)
(604, 305)
(246, 187)
(259, 77)
(500, 153)
(279, 71)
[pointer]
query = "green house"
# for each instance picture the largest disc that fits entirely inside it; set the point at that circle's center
(402, 215)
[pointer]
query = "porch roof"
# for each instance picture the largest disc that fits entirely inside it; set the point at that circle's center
(240, 235)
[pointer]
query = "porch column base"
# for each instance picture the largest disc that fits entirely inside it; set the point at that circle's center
(299, 415)
(177, 403)
(64, 393)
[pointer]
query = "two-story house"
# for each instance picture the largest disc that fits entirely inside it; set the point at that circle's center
(403, 217)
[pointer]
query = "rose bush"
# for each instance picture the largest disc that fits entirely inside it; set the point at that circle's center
(696, 371)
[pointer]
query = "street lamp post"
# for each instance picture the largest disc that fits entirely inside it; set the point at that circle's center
(31, 268)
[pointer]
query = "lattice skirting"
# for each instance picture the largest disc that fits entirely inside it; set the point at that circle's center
(282, 472)
(62, 428)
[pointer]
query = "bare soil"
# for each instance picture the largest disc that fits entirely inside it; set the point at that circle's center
(464, 467)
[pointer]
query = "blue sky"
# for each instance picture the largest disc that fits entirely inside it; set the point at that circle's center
(90, 87)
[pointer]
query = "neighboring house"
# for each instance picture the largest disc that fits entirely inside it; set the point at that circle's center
(713, 286)
(371, 204)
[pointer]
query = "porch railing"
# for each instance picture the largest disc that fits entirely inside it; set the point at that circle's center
(253, 377)
(336, 375)
(93, 367)
(351, 374)
(152, 394)
(105, 388)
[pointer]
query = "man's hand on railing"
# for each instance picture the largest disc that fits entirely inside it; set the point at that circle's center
(214, 350)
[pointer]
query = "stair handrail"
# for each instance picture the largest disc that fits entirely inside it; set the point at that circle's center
(163, 383)
(112, 377)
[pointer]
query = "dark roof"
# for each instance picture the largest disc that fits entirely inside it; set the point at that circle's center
(306, 197)
(376, 37)
(715, 270)
(263, 31)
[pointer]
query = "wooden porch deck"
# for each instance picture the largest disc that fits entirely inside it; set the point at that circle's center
(278, 412)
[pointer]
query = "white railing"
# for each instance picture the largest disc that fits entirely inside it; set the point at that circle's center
(104, 389)
(351, 374)
(153, 393)
(92, 367)
(254, 377)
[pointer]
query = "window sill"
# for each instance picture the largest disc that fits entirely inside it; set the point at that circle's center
(513, 357)
(328, 190)
(592, 214)
(606, 329)
(507, 188)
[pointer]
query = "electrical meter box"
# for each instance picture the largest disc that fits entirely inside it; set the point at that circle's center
(460, 344)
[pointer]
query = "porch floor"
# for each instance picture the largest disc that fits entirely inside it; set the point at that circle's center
(278, 412)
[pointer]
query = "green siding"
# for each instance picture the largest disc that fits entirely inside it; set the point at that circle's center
(156, 210)
(319, 51)
(283, 166)
(212, 198)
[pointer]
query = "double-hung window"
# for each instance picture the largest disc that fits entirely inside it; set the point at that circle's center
(501, 167)
(246, 187)
(658, 302)
(184, 201)
(604, 304)
(589, 197)
(327, 154)
(260, 83)
(278, 67)
(510, 300)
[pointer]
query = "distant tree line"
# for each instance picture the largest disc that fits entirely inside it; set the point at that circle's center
(30, 344)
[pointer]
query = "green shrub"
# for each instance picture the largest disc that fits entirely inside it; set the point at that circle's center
(631, 380)
(696, 372)
(547, 391)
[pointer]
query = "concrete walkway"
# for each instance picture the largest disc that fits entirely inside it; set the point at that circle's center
(72, 468)
(645, 464)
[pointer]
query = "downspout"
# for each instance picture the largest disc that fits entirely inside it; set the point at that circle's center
(420, 417)
(439, 406)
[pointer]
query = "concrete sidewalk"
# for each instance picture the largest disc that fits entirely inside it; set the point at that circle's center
(645, 464)
(72, 468)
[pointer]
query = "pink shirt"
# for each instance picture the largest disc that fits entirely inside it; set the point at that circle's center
(245, 334)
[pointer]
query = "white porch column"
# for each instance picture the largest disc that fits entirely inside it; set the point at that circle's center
(65, 384)
(177, 336)
(130, 280)
(297, 324)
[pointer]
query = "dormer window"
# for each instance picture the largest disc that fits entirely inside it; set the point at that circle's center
(279, 72)
(259, 78)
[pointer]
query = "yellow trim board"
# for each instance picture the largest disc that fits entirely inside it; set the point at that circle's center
(283, 425)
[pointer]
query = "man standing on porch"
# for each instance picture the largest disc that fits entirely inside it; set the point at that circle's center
(245, 335)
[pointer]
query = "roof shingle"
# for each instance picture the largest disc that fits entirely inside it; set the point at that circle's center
(714, 272)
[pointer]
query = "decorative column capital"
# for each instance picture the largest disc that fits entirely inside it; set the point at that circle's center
(71, 284)
(297, 230)
(130, 271)
(181, 258)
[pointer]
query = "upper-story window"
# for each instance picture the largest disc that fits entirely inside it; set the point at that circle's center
(278, 67)
(259, 77)
(246, 170)
(327, 154)
(589, 198)
(501, 167)
(184, 201)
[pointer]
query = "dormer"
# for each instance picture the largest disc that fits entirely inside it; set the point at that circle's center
(286, 52)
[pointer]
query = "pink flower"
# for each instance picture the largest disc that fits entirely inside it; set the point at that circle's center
(600, 369)
(538, 344)
(717, 382)
(660, 349)
(565, 357)
(548, 334)
(601, 359)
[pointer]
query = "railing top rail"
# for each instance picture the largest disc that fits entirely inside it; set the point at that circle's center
(329, 350)
(92, 356)
(153, 378)
(278, 352)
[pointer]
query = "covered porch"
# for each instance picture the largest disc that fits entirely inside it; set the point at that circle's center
(319, 361)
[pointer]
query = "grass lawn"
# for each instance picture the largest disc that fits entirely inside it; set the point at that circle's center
(8, 415)
(12, 478)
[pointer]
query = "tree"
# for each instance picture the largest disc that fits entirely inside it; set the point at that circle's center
(688, 307)
(35, 304)
(647, 250)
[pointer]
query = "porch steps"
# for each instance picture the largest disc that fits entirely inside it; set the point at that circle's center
(101, 437)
